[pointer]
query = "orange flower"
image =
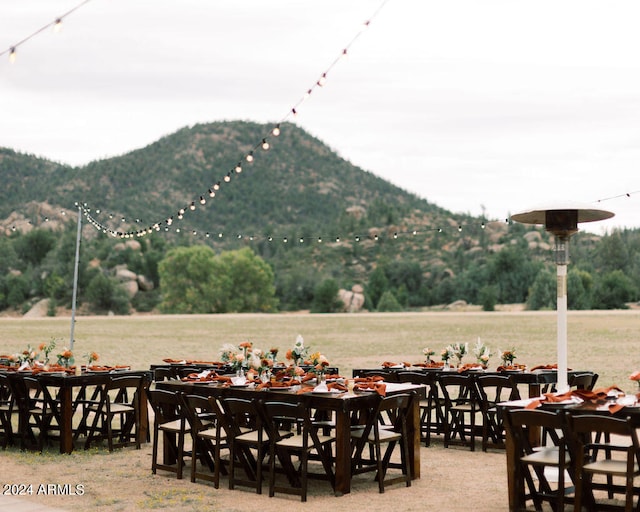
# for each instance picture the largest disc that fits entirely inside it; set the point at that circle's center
(246, 344)
(289, 355)
(67, 354)
(635, 376)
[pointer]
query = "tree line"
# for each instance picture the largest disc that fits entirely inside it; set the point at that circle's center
(191, 277)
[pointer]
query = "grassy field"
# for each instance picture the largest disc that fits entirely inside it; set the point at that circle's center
(606, 342)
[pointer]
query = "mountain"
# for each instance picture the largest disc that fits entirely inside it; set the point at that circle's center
(311, 214)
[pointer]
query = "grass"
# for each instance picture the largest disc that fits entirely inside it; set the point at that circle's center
(603, 341)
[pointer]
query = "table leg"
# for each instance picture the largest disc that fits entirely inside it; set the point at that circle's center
(66, 420)
(413, 434)
(343, 453)
(512, 481)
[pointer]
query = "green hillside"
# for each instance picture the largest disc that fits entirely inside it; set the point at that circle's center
(310, 214)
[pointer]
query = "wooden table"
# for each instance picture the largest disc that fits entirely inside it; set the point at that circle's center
(70, 390)
(343, 405)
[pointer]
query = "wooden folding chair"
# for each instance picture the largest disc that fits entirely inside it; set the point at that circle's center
(282, 420)
(532, 461)
(493, 389)
(397, 408)
(617, 459)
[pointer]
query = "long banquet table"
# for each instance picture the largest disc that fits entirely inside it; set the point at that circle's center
(70, 390)
(343, 405)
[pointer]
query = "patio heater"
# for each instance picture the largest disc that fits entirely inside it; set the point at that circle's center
(562, 221)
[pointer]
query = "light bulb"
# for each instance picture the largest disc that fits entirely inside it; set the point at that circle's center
(216, 186)
(322, 80)
(238, 168)
(276, 131)
(212, 193)
(202, 200)
(181, 211)
(57, 26)
(227, 178)
(12, 55)
(192, 206)
(250, 157)
(265, 144)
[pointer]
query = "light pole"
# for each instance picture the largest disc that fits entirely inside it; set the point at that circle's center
(75, 277)
(562, 220)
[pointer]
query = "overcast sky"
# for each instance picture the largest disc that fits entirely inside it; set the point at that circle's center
(475, 105)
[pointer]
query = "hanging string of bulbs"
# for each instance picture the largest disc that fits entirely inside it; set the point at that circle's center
(220, 235)
(56, 24)
(247, 159)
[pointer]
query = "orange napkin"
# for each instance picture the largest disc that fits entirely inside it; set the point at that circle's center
(389, 364)
(337, 385)
(378, 387)
(470, 366)
(373, 378)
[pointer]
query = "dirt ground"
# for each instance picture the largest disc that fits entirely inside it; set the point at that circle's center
(453, 479)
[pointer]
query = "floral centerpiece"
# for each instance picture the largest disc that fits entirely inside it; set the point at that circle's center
(459, 350)
(46, 349)
(446, 355)
(65, 357)
(236, 356)
(91, 357)
(508, 356)
(482, 353)
(428, 352)
(319, 362)
(298, 353)
(27, 357)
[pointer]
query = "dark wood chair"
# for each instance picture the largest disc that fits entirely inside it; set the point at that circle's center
(431, 407)
(493, 389)
(377, 433)
(170, 422)
(531, 461)
(460, 408)
(116, 417)
(246, 431)
(286, 441)
(7, 409)
(41, 412)
(617, 460)
(208, 437)
(583, 380)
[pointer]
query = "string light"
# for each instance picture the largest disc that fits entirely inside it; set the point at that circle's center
(276, 130)
(56, 24)
(265, 144)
